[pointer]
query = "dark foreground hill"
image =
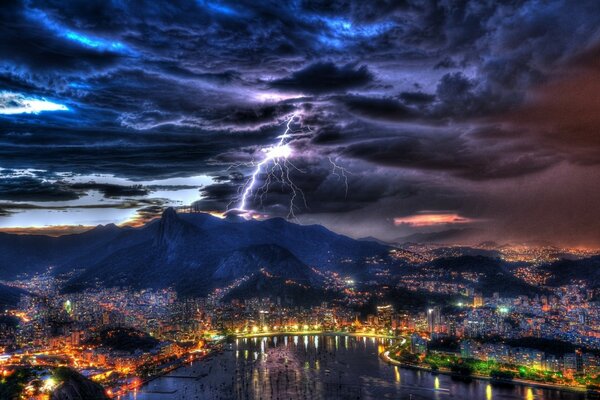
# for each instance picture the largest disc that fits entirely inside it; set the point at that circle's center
(124, 339)
(74, 386)
(70, 384)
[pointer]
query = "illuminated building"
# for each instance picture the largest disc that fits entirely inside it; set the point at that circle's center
(385, 314)
(478, 300)
(434, 319)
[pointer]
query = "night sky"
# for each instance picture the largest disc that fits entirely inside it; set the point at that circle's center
(476, 119)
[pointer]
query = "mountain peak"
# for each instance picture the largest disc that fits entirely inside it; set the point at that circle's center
(105, 228)
(169, 213)
(170, 228)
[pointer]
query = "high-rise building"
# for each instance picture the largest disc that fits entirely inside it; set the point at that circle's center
(262, 316)
(385, 314)
(434, 319)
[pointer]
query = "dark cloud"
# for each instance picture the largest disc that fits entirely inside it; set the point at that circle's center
(321, 190)
(253, 116)
(416, 97)
(43, 187)
(29, 39)
(428, 104)
(109, 190)
(360, 11)
(564, 112)
(217, 197)
(379, 108)
(31, 189)
(148, 213)
(327, 135)
(324, 77)
(455, 88)
(445, 63)
(456, 156)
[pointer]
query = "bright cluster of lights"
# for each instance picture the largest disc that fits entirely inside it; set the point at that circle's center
(49, 385)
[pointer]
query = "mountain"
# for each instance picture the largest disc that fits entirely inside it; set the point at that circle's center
(453, 251)
(190, 252)
(273, 259)
(271, 271)
(278, 288)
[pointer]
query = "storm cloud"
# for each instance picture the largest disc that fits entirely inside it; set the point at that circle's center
(401, 108)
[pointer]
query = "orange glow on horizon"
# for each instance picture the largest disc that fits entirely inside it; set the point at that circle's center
(136, 221)
(56, 230)
(432, 219)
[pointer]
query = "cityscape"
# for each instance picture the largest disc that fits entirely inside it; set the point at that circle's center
(297, 200)
(444, 314)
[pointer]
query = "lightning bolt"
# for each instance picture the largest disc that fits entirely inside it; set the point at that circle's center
(277, 166)
(341, 173)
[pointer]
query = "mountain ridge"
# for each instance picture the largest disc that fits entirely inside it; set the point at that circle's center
(192, 252)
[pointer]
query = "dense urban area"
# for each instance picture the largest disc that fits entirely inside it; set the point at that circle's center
(440, 315)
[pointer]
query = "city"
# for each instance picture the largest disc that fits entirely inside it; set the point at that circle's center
(123, 338)
(300, 200)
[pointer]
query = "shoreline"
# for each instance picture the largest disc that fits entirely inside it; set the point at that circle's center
(310, 333)
(516, 381)
(183, 363)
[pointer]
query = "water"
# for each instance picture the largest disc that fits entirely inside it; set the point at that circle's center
(320, 367)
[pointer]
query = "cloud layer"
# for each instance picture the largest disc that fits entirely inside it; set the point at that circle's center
(487, 111)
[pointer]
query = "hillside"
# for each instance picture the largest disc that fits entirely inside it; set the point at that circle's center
(493, 275)
(566, 271)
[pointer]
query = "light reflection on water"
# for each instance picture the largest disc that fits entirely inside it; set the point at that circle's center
(320, 367)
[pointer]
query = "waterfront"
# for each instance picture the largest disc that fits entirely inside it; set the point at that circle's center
(320, 367)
